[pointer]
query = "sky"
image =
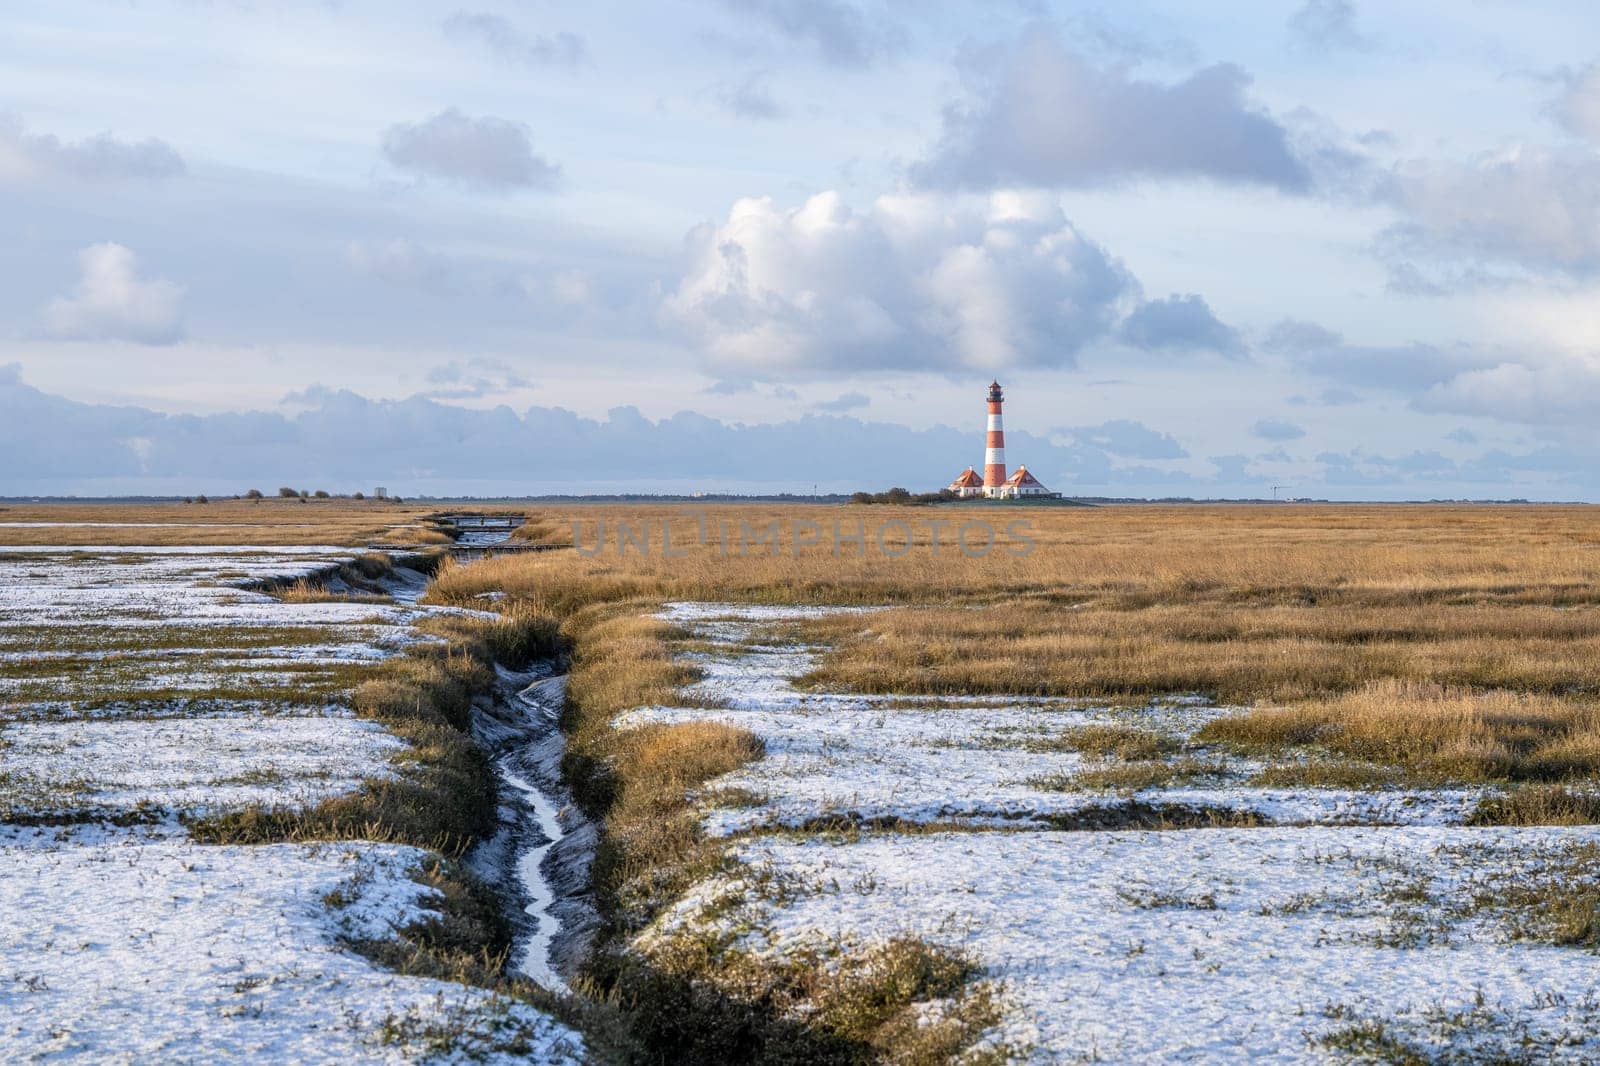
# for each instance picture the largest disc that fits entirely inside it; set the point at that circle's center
(1318, 248)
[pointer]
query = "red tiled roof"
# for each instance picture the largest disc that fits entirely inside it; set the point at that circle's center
(1020, 477)
(969, 479)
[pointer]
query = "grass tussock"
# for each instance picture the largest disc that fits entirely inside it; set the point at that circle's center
(1540, 805)
(640, 781)
(1431, 731)
(905, 1001)
(466, 938)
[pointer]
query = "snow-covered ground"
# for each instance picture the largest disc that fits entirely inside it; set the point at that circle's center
(977, 760)
(155, 645)
(138, 946)
(193, 765)
(150, 678)
(1205, 945)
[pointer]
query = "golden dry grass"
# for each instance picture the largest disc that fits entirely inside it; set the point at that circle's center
(1432, 731)
(1388, 619)
(270, 521)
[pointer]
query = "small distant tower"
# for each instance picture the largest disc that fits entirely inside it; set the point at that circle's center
(994, 456)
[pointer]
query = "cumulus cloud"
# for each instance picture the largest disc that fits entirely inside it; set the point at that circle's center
(842, 34)
(1182, 323)
(1327, 24)
(511, 45)
(101, 157)
(1041, 115)
(1128, 439)
(1274, 430)
(909, 283)
(488, 153)
(1559, 392)
(112, 302)
(1530, 208)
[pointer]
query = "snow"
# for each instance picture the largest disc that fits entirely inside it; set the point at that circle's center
(69, 619)
(1201, 946)
(138, 945)
(192, 765)
(131, 947)
(845, 755)
(1217, 945)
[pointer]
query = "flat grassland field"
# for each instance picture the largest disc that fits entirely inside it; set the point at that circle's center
(953, 783)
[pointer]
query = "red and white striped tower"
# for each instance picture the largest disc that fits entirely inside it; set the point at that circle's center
(994, 456)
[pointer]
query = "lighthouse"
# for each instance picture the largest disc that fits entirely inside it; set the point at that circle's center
(994, 454)
(994, 483)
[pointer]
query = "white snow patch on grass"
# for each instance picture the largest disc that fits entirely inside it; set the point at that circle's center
(983, 760)
(199, 765)
(1202, 946)
(131, 947)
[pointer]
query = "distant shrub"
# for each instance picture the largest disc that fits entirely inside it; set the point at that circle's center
(253, 494)
(358, 496)
(903, 496)
(287, 493)
(321, 494)
(201, 498)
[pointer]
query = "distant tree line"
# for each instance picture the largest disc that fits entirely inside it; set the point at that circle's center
(287, 493)
(903, 496)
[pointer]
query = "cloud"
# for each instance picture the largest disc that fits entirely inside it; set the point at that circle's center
(1274, 430)
(1180, 322)
(749, 98)
(1124, 438)
(1040, 115)
(1529, 208)
(840, 33)
(847, 402)
(341, 440)
(1406, 368)
(1234, 470)
(1562, 392)
(111, 302)
(1578, 106)
(909, 283)
(488, 153)
(512, 45)
(98, 158)
(1328, 24)
(472, 379)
